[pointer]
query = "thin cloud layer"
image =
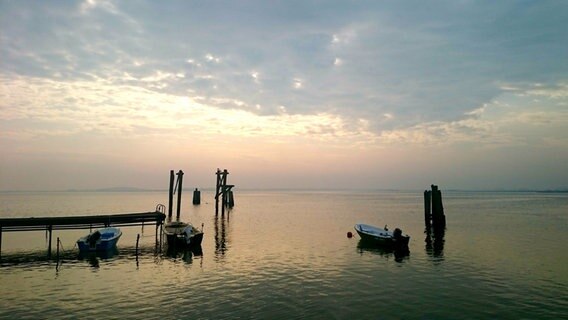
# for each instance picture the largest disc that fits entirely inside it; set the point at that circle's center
(418, 62)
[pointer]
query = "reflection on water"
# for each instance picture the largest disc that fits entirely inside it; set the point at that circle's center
(435, 243)
(184, 253)
(372, 247)
(283, 255)
(93, 257)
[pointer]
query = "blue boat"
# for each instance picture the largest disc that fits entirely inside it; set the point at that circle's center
(100, 240)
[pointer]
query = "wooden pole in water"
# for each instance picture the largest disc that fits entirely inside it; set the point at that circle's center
(50, 229)
(196, 197)
(137, 240)
(0, 241)
(217, 187)
(224, 190)
(231, 200)
(427, 209)
(438, 217)
(171, 195)
(57, 255)
(180, 182)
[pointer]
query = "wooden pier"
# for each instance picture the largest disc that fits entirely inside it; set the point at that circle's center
(49, 224)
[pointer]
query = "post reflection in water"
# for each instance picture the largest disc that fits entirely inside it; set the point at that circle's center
(435, 243)
(221, 224)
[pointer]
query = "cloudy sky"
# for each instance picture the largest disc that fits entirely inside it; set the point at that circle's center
(284, 94)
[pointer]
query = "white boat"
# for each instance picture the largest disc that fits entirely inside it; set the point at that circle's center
(382, 236)
(182, 233)
(100, 240)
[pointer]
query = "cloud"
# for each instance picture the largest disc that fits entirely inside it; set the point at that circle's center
(431, 63)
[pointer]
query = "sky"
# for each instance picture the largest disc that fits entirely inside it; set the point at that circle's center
(284, 94)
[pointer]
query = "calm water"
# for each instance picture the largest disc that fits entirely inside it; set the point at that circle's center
(285, 255)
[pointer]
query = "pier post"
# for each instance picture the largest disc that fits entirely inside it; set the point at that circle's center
(0, 241)
(438, 217)
(50, 229)
(427, 209)
(196, 197)
(231, 200)
(217, 187)
(180, 183)
(171, 195)
(137, 241)
(57, 254)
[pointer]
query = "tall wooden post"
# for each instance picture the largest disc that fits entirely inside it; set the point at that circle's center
(438, 217)
(217, 188)
(0, 241)
(171, 196)
(196, 197)
(180, 182)
(427, 209)
(50, 229)
(230, 200)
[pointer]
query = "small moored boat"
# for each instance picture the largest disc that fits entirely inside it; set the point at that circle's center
(182, 233)
(382, 236)
(100, 240)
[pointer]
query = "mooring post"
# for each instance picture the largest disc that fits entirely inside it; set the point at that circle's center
(427, 210)
(57, 255)
(217, 188)
(438, 217)
(171, 195)
(137, 240)
(196, 197)
(231, 200)
(180, 183)
(50, 229)
(0, 241)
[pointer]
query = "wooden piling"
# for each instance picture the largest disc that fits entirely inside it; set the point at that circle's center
(50, 229)
(171, 195)
(438, 217)
(137, 241)
(217, 187)
(196, 197)
(57, 255)
(180, 183)
(230, 200)
(434, 210)
(427, 209)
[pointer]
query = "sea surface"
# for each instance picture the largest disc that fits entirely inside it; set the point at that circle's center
(286, 255)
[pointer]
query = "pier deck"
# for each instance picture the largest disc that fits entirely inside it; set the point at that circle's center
(81, 222)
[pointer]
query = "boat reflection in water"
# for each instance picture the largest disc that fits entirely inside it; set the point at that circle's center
(184, 253)
(364, 246)
(94, 257)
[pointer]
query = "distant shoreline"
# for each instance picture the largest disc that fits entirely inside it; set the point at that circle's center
(134, 190)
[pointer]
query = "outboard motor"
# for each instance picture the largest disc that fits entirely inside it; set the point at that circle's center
(93, 238)
(397, 234)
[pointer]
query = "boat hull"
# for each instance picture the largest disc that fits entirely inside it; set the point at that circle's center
(381, 237)
(101, 240)
(182, 234)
